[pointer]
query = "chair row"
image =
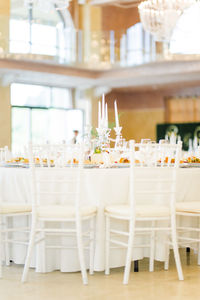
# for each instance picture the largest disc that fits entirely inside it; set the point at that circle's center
(57, 198)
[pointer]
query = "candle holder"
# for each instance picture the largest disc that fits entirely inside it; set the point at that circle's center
(87, 130)
(118, 136)
(103, 140)
(87, 140)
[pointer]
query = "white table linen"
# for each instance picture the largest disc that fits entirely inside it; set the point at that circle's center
(100, 187)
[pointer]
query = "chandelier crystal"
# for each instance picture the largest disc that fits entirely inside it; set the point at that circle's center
(159, 17)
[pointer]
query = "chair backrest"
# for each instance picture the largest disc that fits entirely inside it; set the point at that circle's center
(59, 154)
(4, 154)
(56, 172)
(153, 173)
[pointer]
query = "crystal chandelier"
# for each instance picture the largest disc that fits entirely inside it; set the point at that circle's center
(159, 17)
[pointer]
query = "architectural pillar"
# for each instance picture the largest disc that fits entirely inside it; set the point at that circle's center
(5, 108)
(90, 26)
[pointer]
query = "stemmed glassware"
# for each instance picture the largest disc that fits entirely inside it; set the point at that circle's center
(145, 151)
(103, 140)
(145, 141)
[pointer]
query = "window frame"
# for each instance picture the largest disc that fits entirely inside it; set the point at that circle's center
(30, 108)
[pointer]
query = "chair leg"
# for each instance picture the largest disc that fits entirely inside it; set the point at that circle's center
(198, 261)
(7, 248)
(81, 252)
(175, 248)
(166, 263)
(30, 250)
(136, 266)
(107, 248)
(0, 247)
(92, 235)
(167, 253)
(129, 252)
(43, 248)
(152, 249)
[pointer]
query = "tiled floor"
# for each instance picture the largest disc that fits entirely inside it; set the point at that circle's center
(143, 285)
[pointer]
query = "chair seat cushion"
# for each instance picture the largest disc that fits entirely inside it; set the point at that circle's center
(63, 211)
(14, 208)
(141, 211)
(189, 207)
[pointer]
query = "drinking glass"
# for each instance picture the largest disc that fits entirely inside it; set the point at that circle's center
(163, 142)
(145, 141)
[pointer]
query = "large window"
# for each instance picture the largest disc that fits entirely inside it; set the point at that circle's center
(41, 114)
(36, 38)
(139, 45)
(35, 30)
(185, 38)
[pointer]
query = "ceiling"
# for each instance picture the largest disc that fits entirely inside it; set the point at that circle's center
(119, 3)
(153, 76)
(19, 10)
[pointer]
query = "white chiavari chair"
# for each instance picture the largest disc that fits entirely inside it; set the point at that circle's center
(3, 154)
(56, 197)
(8, 211)
(151, 201)
(189, 233)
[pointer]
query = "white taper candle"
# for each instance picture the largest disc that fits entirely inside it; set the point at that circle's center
(103, 109)
(106, 121)
(99, 115)
(116, 115)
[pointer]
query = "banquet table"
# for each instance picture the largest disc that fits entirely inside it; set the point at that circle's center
(100, 187)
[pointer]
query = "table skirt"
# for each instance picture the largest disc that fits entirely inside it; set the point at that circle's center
(100, 187)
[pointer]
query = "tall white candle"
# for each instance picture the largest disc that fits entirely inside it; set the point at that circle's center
(103, 109)
(99, 115)
(87, 119)
(106, 121)
(116, 115)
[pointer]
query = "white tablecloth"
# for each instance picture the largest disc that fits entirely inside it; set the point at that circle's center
(100, 187)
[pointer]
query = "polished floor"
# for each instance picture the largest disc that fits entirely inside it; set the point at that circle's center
(143, 285)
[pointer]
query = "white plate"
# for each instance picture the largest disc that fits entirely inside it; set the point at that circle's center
(90, 166)
(190, 165)
(11, 165)
(120, 165)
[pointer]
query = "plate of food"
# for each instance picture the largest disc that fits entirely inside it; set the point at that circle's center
(190, 165)
(120, 165)
(11, 165)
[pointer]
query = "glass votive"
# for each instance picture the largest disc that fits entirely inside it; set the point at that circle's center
(145, 141)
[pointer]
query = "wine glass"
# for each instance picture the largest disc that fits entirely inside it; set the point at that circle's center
(161, 142)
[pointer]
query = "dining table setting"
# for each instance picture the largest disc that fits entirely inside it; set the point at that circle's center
(104, 181)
